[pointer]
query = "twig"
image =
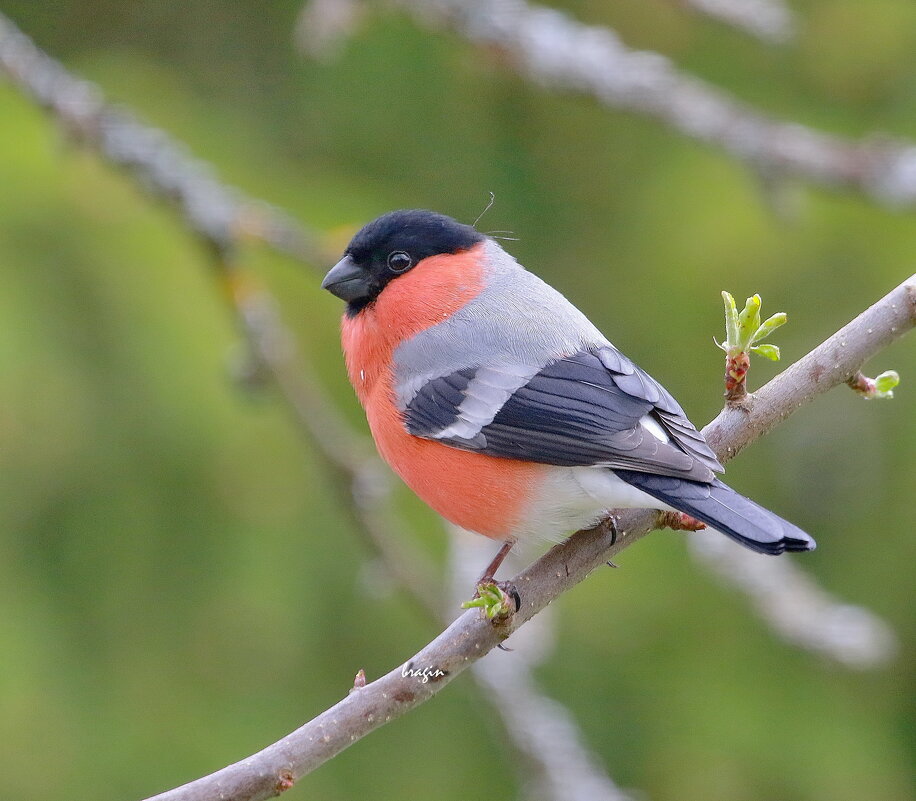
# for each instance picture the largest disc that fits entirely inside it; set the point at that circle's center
(795, 607)
(222, 215)
(769, 20)
(882, 386)
(831, 363)
(557, 764)
(555, 50)
(470, 637)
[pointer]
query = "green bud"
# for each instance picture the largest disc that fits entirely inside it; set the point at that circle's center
(769, 326)
(885, 383)
(742, 332)
(748, 321)
(770, 352)
(731, 321)
(490, 598)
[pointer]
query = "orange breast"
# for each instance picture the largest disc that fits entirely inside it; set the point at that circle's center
(481, 493)
(477, 492)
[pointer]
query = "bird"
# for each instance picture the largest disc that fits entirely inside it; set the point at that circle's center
(504, 408)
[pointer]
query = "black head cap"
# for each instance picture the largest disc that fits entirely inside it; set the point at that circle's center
(390, 246)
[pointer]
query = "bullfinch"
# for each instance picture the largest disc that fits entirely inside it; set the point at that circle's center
(503, 407)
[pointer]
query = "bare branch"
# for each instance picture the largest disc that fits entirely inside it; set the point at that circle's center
(471, 636)
(557, 764)
(556, 51)
(769, 20)
(796, 607)
(221, 215)
(323, 26)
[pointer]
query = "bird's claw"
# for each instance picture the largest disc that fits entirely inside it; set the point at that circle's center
(608, 525)
(611, 525)
(512, 591)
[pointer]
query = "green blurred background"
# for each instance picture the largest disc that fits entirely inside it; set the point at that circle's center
(177, 586)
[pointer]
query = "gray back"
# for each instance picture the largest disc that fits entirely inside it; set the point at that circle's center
(517, 323)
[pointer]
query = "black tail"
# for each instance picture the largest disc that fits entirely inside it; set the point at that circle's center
(719, 506)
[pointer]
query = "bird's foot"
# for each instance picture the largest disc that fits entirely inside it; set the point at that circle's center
(498, 599)
(680, 521)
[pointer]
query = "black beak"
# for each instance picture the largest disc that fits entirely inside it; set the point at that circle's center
(347, 280)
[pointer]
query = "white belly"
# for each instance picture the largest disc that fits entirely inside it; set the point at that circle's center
(578, 497)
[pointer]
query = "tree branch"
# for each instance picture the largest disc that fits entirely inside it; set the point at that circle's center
(830, 364)
(471, 636)
(555, 50)
(556, 763)
(222, 215)
(769, 20)
(795, 607)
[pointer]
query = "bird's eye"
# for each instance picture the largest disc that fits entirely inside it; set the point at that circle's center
(399, 261)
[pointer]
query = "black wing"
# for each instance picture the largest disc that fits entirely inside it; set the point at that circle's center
(719, 506)
(584, 409)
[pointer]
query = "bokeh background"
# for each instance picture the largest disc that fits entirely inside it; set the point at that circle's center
(178, 586)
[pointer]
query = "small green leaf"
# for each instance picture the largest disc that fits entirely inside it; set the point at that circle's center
(490, 598)
(731, 321)
(769, 326)
(770, 352)
(885, 382)
(748, 321)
